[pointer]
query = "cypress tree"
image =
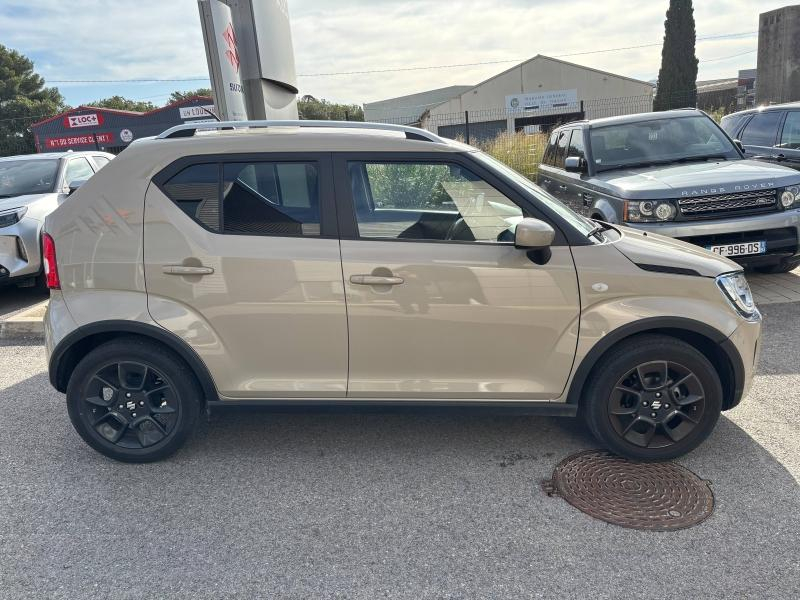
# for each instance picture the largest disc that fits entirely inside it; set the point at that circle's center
(677, 78)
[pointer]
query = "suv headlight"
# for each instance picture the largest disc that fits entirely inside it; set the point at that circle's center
(10, 217)
(649, 211)
(735, 288)
(790, 196)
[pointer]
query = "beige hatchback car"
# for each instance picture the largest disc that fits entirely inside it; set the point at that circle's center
(318, 262)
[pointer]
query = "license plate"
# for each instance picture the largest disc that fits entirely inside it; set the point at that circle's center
(740, 249)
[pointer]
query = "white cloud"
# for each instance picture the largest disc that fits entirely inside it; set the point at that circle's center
(84, 39)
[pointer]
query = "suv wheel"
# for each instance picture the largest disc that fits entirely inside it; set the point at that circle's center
(133, 400)
(653, 398)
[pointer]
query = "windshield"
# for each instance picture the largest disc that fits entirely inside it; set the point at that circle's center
(659, 141)
(583, 225)
(20, 177)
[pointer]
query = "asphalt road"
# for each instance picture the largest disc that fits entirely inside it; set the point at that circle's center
(14, 299)
(384, 504)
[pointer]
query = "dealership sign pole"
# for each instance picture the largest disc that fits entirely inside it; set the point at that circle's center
(266, 53)
(222, 53)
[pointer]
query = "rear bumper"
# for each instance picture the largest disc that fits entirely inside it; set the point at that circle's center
(20, 251)
(781, 231)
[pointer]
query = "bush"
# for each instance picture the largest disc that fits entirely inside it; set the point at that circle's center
(520, 151)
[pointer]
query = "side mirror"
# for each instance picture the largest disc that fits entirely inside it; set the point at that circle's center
(575, 164)
(533, 234)
(74, 185)
(739, 145)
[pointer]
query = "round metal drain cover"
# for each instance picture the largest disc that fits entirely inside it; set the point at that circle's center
(650, 496)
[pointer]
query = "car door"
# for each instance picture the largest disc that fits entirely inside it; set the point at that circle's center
(788, 147)
(760, 135)
(577, 195)
(242, 261)
(555, 173)
(440, 302)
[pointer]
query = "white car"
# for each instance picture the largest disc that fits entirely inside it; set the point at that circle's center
(31, 187)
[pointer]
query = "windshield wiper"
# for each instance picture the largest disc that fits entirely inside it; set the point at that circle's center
(700, 157)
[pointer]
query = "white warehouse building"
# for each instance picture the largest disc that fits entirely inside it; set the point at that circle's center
(536, 94)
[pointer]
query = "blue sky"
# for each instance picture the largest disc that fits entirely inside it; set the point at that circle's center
(123, 39)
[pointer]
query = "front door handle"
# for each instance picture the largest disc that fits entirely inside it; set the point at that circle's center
(562, 187)
(375, 280)
(186, 270)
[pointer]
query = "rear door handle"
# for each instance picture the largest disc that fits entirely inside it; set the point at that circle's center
(547, 181)
(375, 280)
(562, 187)
(186, 270)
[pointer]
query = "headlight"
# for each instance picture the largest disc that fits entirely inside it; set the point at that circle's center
(9, 217)
(649, 211)
(735, 288)
(790, 196)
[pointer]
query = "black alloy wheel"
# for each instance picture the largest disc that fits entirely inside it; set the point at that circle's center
(133, 400)
(656, 404)
(652, 397)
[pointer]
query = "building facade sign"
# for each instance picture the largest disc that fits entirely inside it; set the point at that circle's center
(91, 139)
(542, 100)
(192, 112)
(90, 120)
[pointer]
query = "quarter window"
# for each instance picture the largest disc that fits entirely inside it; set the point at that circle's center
(196, 192)
(78, 169)
(429, 201)
(762, 129)
(790, 138)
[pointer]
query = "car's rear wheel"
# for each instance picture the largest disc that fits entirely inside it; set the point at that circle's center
(654, 397)
(133, 400)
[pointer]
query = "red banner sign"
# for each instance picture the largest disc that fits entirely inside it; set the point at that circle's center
(79, 140)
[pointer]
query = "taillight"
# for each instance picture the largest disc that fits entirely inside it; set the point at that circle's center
(50, 265)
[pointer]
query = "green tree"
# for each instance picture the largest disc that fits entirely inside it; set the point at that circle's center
(120, 103)
(177, 96)
(309, 107)
(677, 78)
(23, 100)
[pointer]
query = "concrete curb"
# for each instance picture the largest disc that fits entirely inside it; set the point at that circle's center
(27, 323)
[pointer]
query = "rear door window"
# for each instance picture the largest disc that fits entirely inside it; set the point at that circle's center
(762, 129)
(790, 138)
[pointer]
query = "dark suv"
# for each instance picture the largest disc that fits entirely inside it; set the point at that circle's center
(769, 133)
(678, 174)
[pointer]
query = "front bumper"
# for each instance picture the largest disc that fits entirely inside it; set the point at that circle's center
(745, 342)
(781, 231)
(20, 250)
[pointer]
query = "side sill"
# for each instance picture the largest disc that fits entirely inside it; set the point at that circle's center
(551, 409)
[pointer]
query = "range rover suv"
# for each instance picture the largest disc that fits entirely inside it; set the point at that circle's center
(678, 174)
(321, 263)
(31, 187)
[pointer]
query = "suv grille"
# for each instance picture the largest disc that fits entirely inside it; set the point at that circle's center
(705, 207)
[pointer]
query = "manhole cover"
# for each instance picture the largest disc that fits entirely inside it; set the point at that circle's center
(651, 496)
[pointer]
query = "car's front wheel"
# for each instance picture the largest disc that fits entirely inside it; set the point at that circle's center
(133, 400)
(653, 397)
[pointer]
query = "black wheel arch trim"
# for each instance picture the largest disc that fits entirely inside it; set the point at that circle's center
(666, 325)
(114, 328)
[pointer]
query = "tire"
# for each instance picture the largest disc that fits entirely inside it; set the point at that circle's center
(133, 400)
(782, 267)
(620, 398)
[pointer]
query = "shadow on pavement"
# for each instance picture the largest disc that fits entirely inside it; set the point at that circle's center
(404, 503)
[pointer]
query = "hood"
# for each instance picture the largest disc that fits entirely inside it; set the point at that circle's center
(654, 251)
(695, 179)
(17, 201)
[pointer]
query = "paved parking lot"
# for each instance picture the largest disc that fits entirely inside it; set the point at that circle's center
(370, 504)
